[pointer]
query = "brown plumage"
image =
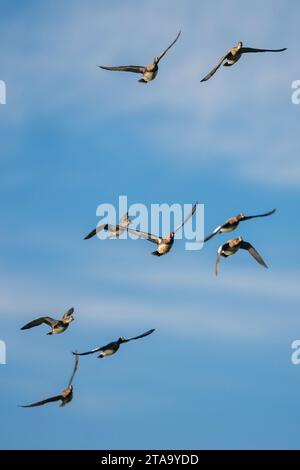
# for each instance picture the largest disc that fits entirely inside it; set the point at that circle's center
(233, 246)
(231, 57)
(164, 244)
(149, 72)
(57, 326)
(233, 222)
(66, 396)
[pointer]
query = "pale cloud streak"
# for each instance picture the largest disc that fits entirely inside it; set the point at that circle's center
(189, 309)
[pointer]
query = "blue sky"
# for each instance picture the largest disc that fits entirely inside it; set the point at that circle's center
(217, 372)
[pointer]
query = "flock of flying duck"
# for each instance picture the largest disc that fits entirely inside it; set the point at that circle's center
(163, 244)
(150, 71)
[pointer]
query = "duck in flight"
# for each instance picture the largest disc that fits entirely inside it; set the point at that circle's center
(149, 72)
(115, 230)
(232, 223)
(231, 57)
(163, 244)
(65, 396)
(112, 348)
(57, 326)
(232, 247)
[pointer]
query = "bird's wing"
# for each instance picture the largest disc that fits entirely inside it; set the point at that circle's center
(244, 50)
(48, 320)
(108, 227)
(145, 235)
(43, 402)
(95, 231)
(75, 369)
(68, 313)
(86, 353)
(126, 68)
(218, 259)
(248, 217)
(217, 230)
(149, 332)
(187, 218)
(213, 71)
(247, 246)
(169, 47)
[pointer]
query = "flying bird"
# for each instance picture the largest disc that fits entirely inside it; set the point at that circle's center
(57, 326)
(232, 223)
(149, 72)
(113, 347)
(233, 246)
(115, 230)
(164, 244)
(231, 57)
(65, 396)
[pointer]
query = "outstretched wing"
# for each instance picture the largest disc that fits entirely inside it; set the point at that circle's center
(218, 259)
(75, 369)
(88, 352)
(43, 402)
(95, 231)
(266, 214)
(217, 230)
(244, 50)
(147, 333)
(68, 313)
(39, 321)
(145, 235)
(108, 227)
(125, 68)
(247, 246)
(169, 47)
(187, 218)
(214, 70)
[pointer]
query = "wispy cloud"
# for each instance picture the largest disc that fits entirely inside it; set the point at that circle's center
(189, 310)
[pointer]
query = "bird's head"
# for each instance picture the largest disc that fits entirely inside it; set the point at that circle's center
(240, 216)
(121, 339)
(69, 319)
(234, 242)
(240, 45)
(155, 60)
(125, 220)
